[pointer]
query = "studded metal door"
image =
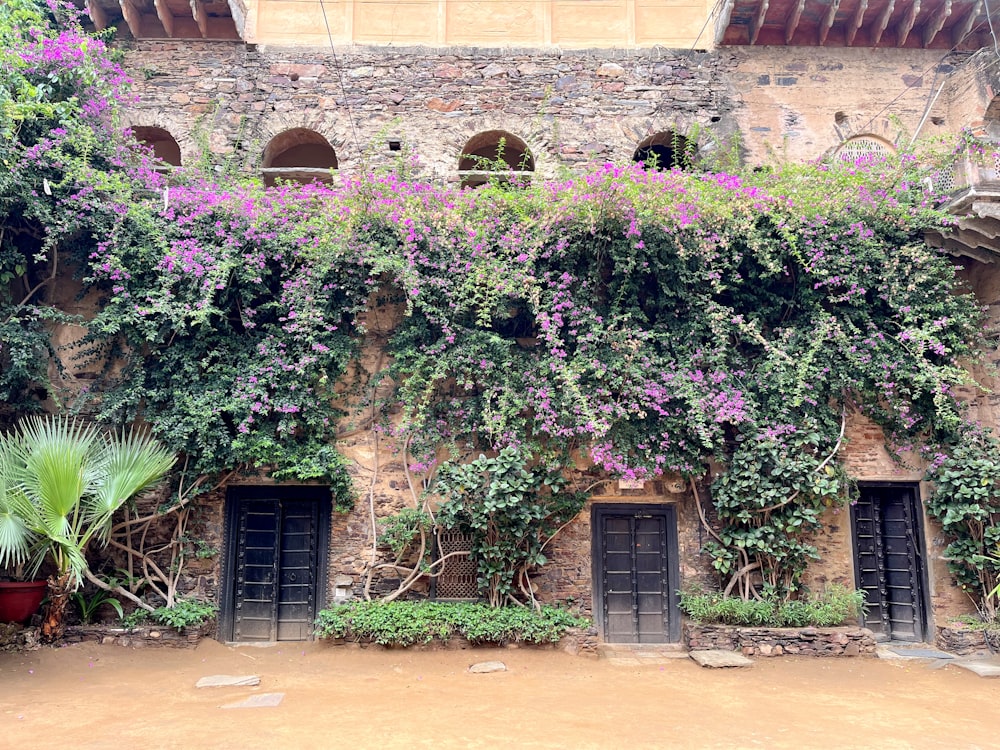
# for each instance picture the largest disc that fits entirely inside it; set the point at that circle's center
(275, 571)
(889, 560)
(635, 574)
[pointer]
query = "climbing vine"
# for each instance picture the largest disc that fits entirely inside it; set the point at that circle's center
(633, 323)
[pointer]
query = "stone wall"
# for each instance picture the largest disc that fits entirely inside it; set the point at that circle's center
(573, 109)
(844, 641)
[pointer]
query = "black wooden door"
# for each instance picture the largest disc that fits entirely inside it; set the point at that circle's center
(889, 560)
(636, 573)
(275, 566)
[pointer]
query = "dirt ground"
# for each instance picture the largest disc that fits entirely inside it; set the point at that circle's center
(91, 696)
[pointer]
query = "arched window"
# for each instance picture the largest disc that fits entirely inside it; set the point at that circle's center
(298, 155)
(863, 149)
(165, 148)
(494, 151)
(665, 150)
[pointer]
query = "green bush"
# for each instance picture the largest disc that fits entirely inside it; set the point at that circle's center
(835, 606)
(405, 623)
(184, 614)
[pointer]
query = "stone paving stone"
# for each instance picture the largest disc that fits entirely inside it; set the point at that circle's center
(981, 667)
(228, 680)
(261, 700)
(921, 653)
(485, 667)
(719, 659)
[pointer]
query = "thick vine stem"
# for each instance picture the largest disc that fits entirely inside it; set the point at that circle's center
(117, 590)
(701, 512)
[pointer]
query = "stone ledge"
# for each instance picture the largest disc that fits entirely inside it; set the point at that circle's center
(144, 636)
(760, 641)
(957, 638)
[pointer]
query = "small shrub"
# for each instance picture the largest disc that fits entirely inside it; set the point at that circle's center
(835, 606)
(405, 623)
(185, 613)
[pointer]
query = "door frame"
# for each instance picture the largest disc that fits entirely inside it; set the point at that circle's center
(319, 494)
(924, 612)
(669, 510)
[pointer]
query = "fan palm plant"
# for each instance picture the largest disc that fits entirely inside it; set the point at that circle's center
(61, 482)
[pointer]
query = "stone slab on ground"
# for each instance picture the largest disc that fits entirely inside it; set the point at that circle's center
(261, 700)
(981, 667)
(716, 659)
(228, 680)
(485, 667)
(921, 653)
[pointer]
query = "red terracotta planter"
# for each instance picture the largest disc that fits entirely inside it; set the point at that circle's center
(20, 600)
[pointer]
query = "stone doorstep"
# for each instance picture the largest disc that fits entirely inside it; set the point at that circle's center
(642, 651)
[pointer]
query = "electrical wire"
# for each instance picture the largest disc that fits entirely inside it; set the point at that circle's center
(340, 79)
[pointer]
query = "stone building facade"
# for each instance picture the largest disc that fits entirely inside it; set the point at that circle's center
(352, 100)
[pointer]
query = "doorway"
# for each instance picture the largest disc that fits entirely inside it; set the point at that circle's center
(636, 573)
(274, 576)
(889, 559)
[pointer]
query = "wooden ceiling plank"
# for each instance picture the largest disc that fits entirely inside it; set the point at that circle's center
(882, 22)
(132, 17)
(165, 16)
(721, 23)
(793, 21)
(856, 20)
(963, 27)
(906, 24)
(97, 14)
(201, 17)
(827, 23)
(936, 22)
(758, 21)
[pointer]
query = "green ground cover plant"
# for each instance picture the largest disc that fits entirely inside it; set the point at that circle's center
(406, 623)
(837, 605)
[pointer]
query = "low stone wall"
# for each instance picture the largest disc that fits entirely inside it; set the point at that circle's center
(842, 641)
(140, 637)
(963, 640)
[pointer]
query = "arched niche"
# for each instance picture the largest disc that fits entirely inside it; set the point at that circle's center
(494, 151)
(164, 146)
(298, 155)
(665, 150)
(863, 149)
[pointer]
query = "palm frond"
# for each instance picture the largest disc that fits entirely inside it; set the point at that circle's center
(58, 471)
(128, 465)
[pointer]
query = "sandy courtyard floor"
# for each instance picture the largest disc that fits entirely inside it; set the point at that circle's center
(91, 696)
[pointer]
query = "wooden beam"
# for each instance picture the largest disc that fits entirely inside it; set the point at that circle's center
(239, 11)
(97, 14)
(936, 22)
(962, 28)
(793, 21)
(201, 17)
(882, 22)
(132, 17)
(721, 23)
(165, 16)
(827, 23)
(856, 20)
(906, 24)
(758, 21)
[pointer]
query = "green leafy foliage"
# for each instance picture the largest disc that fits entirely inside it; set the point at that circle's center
(186, 613)
(837, 605)
(400, 530)
(405, 623)
(966, 500)
(511, 506)
(89, 604)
